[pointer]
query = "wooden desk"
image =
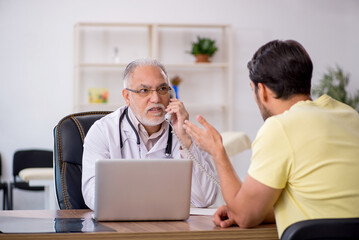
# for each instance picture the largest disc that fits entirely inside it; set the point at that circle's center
(196, 227)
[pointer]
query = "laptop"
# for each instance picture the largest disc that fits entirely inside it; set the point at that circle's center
(142, 189)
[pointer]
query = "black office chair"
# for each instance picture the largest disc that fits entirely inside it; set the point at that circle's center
(3, 186)
(315, 229)
(69, 136)
(23, 159)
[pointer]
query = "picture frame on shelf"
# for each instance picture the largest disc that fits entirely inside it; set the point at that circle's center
(98, 95)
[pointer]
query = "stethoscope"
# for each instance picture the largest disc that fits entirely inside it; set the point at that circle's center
(168, 153)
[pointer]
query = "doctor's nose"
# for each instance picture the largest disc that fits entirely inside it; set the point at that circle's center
(155, 97)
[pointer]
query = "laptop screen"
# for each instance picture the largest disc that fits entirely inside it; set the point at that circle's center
(142, 189)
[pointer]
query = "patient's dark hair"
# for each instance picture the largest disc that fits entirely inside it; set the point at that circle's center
(283, 66)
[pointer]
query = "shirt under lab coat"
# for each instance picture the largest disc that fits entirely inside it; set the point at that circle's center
(103, 142)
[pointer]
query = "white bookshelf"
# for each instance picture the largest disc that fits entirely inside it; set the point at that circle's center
(207, 88)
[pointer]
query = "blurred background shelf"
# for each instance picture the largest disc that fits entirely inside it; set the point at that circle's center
(103, 50)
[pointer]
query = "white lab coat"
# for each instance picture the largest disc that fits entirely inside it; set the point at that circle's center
(103, 142)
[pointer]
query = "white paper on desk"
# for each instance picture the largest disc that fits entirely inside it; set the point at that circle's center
(203, 211)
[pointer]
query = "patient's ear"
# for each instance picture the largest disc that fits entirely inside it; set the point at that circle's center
(262, 92)
(265, 94)
(126, 96)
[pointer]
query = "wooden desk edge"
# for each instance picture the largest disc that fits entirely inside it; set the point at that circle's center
(260, 233)
(193, 231)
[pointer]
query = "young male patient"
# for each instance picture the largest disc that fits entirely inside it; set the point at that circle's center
(305, 158)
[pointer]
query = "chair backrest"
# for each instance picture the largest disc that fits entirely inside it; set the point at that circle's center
(335, 228)
(69, 136)
(31, 158)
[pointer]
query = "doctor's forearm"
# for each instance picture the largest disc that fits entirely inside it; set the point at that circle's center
(230, 183)
(203, 195)
(206, 189)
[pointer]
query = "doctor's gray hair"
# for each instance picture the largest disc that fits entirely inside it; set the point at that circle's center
(127, 74)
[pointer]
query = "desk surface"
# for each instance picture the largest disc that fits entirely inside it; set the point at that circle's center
(196, 227)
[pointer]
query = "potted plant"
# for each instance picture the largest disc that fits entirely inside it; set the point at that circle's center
(203, 49)
(334, 83)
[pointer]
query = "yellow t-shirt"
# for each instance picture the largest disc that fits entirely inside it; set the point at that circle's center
(311, 152)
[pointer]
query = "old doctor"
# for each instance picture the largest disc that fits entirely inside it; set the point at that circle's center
(138, 130)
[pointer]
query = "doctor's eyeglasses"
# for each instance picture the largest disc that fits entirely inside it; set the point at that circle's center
(144, 92)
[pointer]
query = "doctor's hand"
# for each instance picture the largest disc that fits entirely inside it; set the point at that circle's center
(208, 138)
(179, 115)
(223, 217)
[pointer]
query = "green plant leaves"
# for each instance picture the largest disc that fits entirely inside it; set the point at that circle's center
(204, 46)
(334, 84)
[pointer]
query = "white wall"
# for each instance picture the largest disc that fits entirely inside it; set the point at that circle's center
(36, 55)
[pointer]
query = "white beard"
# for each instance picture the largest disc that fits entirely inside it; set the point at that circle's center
(144, 120)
